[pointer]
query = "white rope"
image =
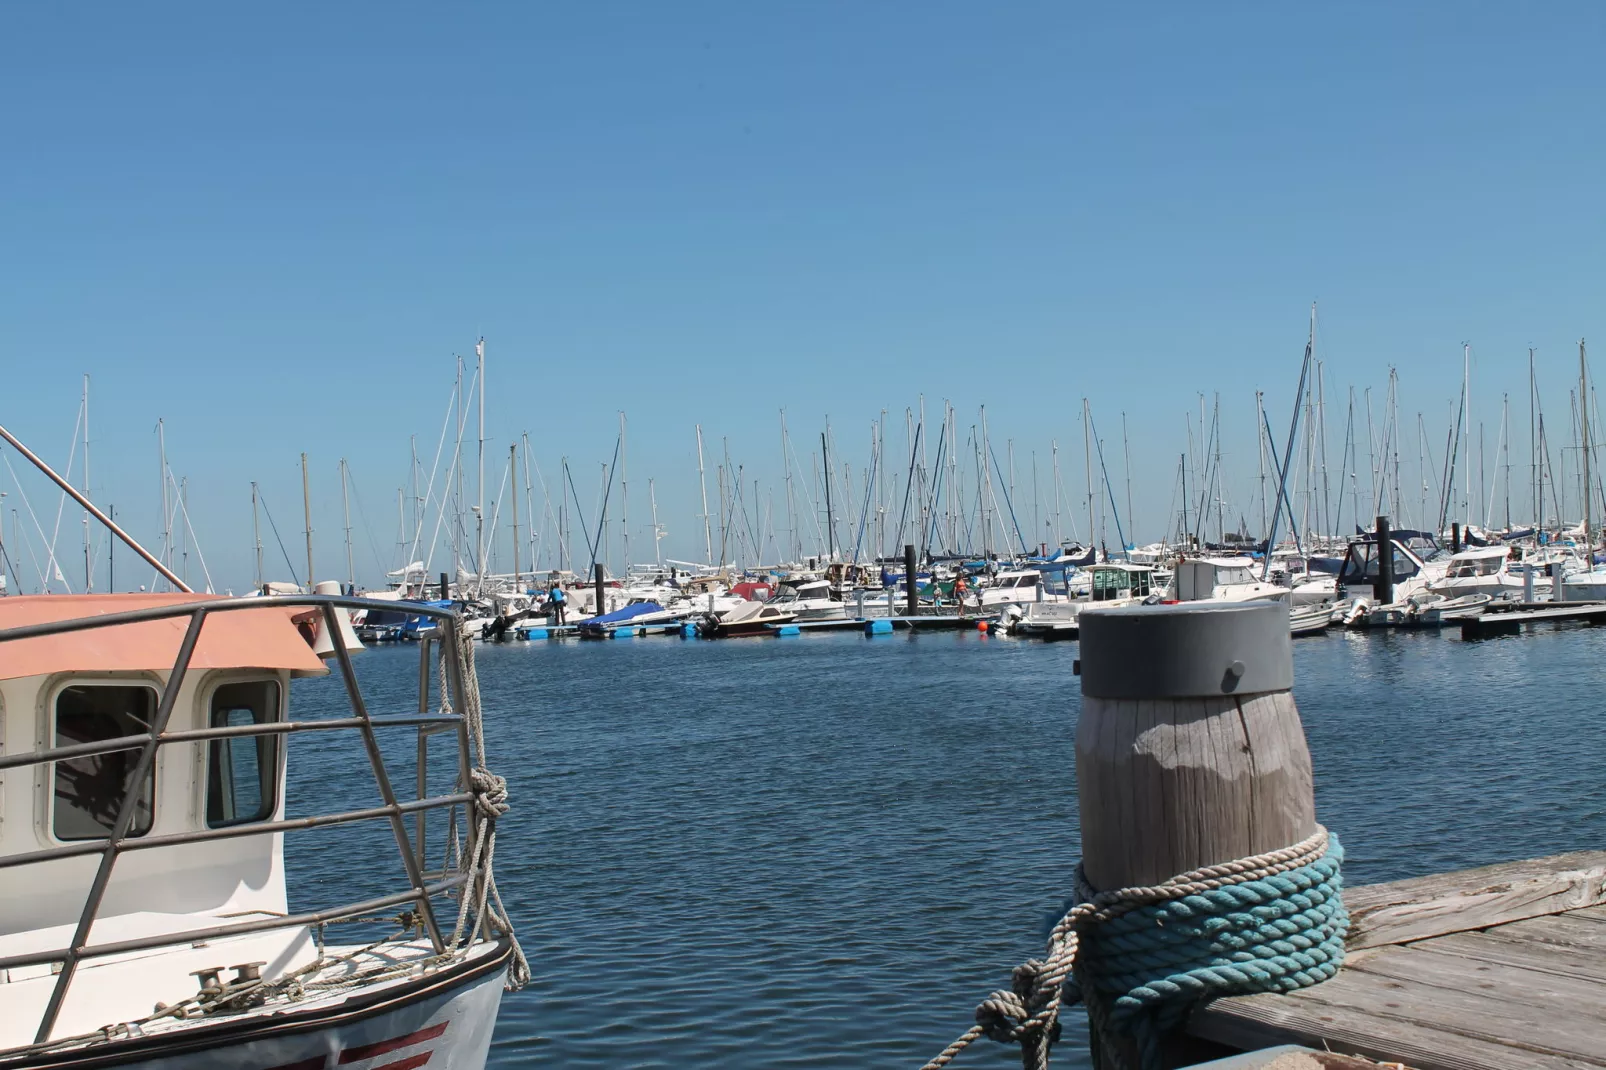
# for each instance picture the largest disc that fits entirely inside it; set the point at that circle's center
(490, 803)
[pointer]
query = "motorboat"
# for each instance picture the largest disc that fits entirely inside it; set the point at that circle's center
(148, 918)
(1020, 587)
(1222, 579)
(1112, 584)
(1310, 619)
(749, 618)
(642, 612)
(810, 599)
(1490, 570)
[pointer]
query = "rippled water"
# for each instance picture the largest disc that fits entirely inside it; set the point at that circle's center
(823, 851)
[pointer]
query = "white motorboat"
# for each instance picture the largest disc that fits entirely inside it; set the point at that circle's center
(1490, 570)
(1020, 587)
(810, 600)
(1113, 584)
(1309, 619)
(1222, 579)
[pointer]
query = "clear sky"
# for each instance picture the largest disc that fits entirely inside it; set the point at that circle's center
(274, 227)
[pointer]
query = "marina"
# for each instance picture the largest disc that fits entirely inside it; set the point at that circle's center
(789, 537)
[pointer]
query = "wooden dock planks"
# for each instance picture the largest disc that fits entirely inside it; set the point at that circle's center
(1497, 968)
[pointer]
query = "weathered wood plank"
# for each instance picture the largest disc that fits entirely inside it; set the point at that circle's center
(1360, 1019)
(1424, 907)
(1526, 951)
(1497, 1002)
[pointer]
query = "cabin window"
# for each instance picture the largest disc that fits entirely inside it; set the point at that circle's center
(89, 791)
(242, 771)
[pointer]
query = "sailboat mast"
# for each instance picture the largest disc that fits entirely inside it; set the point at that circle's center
(513, 485)
(702, 481)
(167, 516)
(1261, 440)
(1087, 464)
(1583, 411)
(345, 509)
(256, 534)
(479, 510)
(830, 517)
(1126, 447)
(306, 512)
(793, 544)
(624, 494)
(89, 563)
(652, 501)
(1533, 444)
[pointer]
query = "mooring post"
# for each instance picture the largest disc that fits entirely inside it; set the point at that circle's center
(1383, 589)
(1455, 538)
(1189, 749)
(1558, 586)
(601, 607)
(911, 582)
(446, 591)
(1528, 582)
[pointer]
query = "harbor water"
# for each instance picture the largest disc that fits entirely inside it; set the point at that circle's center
(825, 850)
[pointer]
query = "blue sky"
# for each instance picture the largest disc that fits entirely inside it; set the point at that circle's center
(274, 228)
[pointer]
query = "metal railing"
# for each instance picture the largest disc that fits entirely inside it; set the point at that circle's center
(420, 893)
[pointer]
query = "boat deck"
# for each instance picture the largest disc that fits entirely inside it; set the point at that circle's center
(1497, 968)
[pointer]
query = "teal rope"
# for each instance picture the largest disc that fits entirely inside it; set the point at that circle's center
(1141, 972)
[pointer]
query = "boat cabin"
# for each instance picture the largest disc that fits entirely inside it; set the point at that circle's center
(1120, 581)
(83, 690)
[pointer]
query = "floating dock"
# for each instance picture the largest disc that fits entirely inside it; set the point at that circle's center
(1497, 968)
(1512, 620)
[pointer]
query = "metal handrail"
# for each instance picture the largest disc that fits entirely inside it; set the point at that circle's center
(119, 840)
(240, 928)
(190, 735)
(232, 832)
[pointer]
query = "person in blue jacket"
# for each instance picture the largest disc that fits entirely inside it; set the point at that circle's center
(558, 600)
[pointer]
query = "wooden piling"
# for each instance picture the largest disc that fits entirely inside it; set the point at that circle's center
(911, 583)
(1383, 590)
(1190, 751)
(601, 606)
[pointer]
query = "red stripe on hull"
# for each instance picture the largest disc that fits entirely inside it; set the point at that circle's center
(412, 1062)
(368, 1051)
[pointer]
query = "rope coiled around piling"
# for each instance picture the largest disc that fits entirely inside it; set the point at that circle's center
(1140, 958)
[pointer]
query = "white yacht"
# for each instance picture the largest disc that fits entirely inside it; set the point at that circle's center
(1222, 579)
(1489, 570)
(1113, 584)
(810, 599)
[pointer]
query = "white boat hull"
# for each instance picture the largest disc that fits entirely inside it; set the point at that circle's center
(445, 1021)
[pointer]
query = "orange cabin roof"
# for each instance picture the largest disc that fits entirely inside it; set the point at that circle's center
(265, 638)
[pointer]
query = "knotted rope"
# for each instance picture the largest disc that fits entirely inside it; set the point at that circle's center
(1141, 957)
(490, 802)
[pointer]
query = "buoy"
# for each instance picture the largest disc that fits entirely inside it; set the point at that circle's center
(789, 629)
(981, 626)
(688, 630)
(878, 627)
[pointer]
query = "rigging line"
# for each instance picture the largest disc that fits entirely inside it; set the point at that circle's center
(44, 583)
(363, 516)
(864, 513)
(585, 528)
(496, 516)
(275, 529)
(903, 515)
(607, 490)
(1114, 511)
(429, 493)
(1282, 498)
(194, 541)
(1004, 486)
(936, 491)
(61, 503)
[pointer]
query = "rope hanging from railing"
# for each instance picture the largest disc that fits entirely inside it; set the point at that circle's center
(490, 802)
(1139, 958)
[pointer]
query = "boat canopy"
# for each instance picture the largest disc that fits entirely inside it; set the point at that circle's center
(266, 638)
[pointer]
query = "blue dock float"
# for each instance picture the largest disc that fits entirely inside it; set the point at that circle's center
(789, 629)
(878, 626)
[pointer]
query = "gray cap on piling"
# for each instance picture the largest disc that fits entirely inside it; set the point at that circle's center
(1188, 650)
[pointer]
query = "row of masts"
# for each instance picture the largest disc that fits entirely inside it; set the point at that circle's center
(955, 496)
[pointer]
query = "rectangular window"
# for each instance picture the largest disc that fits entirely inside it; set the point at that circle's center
(89, 791)
(242, 771)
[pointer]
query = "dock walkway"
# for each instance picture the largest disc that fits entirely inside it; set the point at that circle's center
(1497, 968)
